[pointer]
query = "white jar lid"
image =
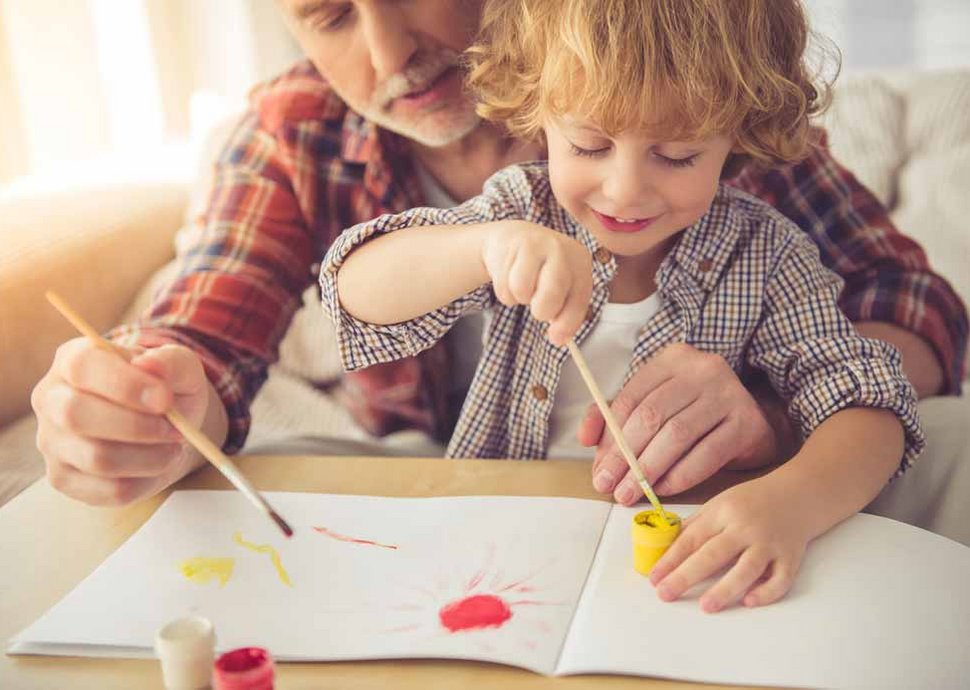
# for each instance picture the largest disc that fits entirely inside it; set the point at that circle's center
(186, 647)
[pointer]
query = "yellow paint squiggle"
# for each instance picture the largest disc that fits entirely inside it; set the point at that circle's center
(201, 569)
(273, 555)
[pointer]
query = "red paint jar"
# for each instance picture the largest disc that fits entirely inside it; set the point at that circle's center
(246, 668)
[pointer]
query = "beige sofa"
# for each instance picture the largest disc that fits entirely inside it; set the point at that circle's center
(907, 136)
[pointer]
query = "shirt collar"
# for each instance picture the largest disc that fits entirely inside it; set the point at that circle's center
(360, 139)
(384, 156)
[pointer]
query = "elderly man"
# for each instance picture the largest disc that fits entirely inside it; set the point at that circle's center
(375, 121)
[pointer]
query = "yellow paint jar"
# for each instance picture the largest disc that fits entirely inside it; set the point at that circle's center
(651, 538)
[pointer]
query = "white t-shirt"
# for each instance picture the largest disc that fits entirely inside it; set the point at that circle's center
(608, 350)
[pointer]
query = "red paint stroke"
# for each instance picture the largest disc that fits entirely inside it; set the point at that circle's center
(475, 612)
(352, 540)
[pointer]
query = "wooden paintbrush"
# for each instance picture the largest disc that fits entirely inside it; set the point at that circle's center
(199, 441)
(615, 429)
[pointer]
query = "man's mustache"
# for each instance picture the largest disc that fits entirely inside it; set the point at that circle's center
(424, 69)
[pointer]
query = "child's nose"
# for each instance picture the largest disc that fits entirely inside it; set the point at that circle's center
(627, 188)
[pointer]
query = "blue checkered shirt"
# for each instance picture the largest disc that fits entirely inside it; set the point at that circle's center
(742, 282)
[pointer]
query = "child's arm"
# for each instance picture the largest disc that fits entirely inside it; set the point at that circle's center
(403, 275)
(395, 285)
(836, 382)
(762, 527)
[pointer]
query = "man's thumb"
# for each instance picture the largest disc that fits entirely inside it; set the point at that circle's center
(176, 365)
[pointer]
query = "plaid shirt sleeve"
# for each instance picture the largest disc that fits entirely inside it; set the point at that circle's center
(815, 358)
(240, 275)
(363, 344)
(887, 276)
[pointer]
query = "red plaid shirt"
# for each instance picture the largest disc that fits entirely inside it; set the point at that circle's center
(301, 167)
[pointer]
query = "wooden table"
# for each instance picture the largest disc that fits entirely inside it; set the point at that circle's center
(49, 543)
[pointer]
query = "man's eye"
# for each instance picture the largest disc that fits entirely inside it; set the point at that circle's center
(332, 21)
(588, 153)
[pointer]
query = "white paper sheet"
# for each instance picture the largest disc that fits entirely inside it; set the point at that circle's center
(876, 604)
(348, 600)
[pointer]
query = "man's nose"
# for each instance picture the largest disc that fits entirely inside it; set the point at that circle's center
(388, 37)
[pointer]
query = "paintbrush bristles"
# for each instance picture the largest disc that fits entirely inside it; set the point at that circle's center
(194, 436)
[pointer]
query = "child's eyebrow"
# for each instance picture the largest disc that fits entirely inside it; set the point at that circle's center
(582, 127)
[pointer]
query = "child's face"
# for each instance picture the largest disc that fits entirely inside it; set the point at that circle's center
(658, 187)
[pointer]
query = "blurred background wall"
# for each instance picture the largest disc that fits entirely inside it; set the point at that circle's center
(97, 86)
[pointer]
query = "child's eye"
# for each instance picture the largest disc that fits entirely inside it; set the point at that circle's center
(588, 153)
(677, 162)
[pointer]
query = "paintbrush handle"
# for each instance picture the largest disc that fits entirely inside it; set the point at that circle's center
(614, 427)
(214, 455)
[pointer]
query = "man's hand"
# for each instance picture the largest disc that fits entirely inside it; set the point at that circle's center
(101, 424)
(685, 415)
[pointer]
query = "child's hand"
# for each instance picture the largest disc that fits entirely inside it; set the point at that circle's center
(755, 529)
(552, 273)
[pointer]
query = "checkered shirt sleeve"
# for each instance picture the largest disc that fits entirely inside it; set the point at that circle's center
(813, 355)
(361, 344)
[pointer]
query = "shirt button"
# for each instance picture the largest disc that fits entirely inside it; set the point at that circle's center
(603, 255)
(314, 269)
(705, 265)
(539, 392)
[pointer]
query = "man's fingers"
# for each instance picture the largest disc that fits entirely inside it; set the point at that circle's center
(591, 429)
(84, 414)
(99, 491)
(678, 435)
(702, 461)
(109, 459)
(647, 379)
(642, 428)
(105, 374)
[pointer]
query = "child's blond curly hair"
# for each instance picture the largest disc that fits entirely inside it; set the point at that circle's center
(680, 69)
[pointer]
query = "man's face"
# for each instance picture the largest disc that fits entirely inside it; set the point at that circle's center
(395, 63)
(630, 191)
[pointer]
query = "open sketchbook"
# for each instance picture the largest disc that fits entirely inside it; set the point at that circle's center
(546, 584)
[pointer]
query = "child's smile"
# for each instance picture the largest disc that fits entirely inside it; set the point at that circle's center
(614, 224)
(629, 191)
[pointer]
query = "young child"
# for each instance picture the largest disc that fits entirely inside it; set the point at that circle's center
(625, 241)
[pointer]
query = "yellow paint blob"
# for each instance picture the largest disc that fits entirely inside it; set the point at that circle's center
(273, 555)
(201, 570)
